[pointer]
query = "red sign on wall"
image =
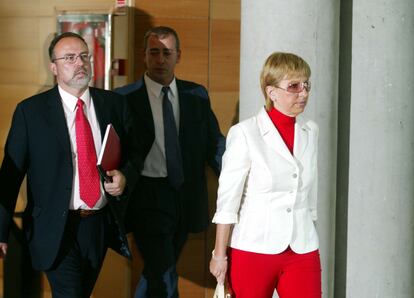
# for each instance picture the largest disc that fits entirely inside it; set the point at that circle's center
(121, 3)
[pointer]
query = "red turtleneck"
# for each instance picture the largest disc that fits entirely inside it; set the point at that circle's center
(285, 126)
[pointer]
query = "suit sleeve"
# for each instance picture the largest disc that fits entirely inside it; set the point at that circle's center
(236, 166)
(313, 193)
(133, 161)
(12, 171)
(216, 142)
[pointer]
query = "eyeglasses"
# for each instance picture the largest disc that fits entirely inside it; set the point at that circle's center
(71, 58)
(297, 87)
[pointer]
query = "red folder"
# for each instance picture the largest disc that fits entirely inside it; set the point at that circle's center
(110, 155)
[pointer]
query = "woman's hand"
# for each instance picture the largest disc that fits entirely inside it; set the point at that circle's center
(218, 262)
(218, 267)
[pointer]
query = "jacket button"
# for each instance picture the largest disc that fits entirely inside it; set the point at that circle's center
(295, 175)
(64, 213)
(288, 210)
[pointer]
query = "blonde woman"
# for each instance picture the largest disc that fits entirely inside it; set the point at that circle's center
(266, 207)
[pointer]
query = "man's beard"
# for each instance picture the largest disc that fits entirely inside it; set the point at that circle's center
(80, 83)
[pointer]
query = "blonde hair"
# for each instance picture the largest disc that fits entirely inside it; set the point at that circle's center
(279, 66)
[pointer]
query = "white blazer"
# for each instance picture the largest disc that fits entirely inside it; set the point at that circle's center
(268, 194)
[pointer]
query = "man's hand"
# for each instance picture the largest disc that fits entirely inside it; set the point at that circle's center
(3, 249)
(117, 186)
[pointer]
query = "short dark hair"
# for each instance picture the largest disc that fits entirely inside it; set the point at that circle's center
(62, 36)
(161, 32)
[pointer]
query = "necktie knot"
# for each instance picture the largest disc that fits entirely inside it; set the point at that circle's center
(165, 90)
(80, 103)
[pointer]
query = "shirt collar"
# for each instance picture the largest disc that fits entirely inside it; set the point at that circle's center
(70, 101)
(155, 88)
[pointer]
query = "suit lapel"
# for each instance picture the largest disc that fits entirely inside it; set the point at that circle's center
(100, 111)
(141, 105)
(272, 137)
(301, 137)
(56, 118)
(185, 111)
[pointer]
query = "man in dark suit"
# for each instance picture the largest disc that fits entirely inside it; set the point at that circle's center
(71, 218)
(170, 199)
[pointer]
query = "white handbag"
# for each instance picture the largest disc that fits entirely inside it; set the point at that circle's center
(220, 292)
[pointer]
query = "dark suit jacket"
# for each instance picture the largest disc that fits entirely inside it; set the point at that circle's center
(201, 143)
(38, 145)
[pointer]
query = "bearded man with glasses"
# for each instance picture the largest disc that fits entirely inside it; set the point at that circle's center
(72, 216)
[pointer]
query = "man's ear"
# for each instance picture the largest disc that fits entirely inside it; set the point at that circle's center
(52, 67)
(178, 55)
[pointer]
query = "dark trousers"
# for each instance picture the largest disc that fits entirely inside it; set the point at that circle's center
(160, 235)
(81, 255)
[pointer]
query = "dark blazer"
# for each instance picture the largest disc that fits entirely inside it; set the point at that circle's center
(38, 145)
(201, 143)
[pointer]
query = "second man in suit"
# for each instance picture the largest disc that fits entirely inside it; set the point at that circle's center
(180, 136)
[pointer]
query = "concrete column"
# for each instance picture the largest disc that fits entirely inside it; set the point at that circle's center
(311, 30)
(380, 209)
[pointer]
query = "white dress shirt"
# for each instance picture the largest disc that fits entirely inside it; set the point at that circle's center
(155, 163)
(69, 106)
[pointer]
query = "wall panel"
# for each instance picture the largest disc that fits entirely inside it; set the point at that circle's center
(225, 10)
(185, 9)
(18, 32)
(27, 8)
(224, 55)
(226, 107)
(23, 72)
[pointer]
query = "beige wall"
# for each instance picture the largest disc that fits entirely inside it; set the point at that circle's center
(209, 32)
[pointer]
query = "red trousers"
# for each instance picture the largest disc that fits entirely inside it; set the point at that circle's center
(255, 275)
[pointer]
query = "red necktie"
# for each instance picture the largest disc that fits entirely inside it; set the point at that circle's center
(89, 187)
